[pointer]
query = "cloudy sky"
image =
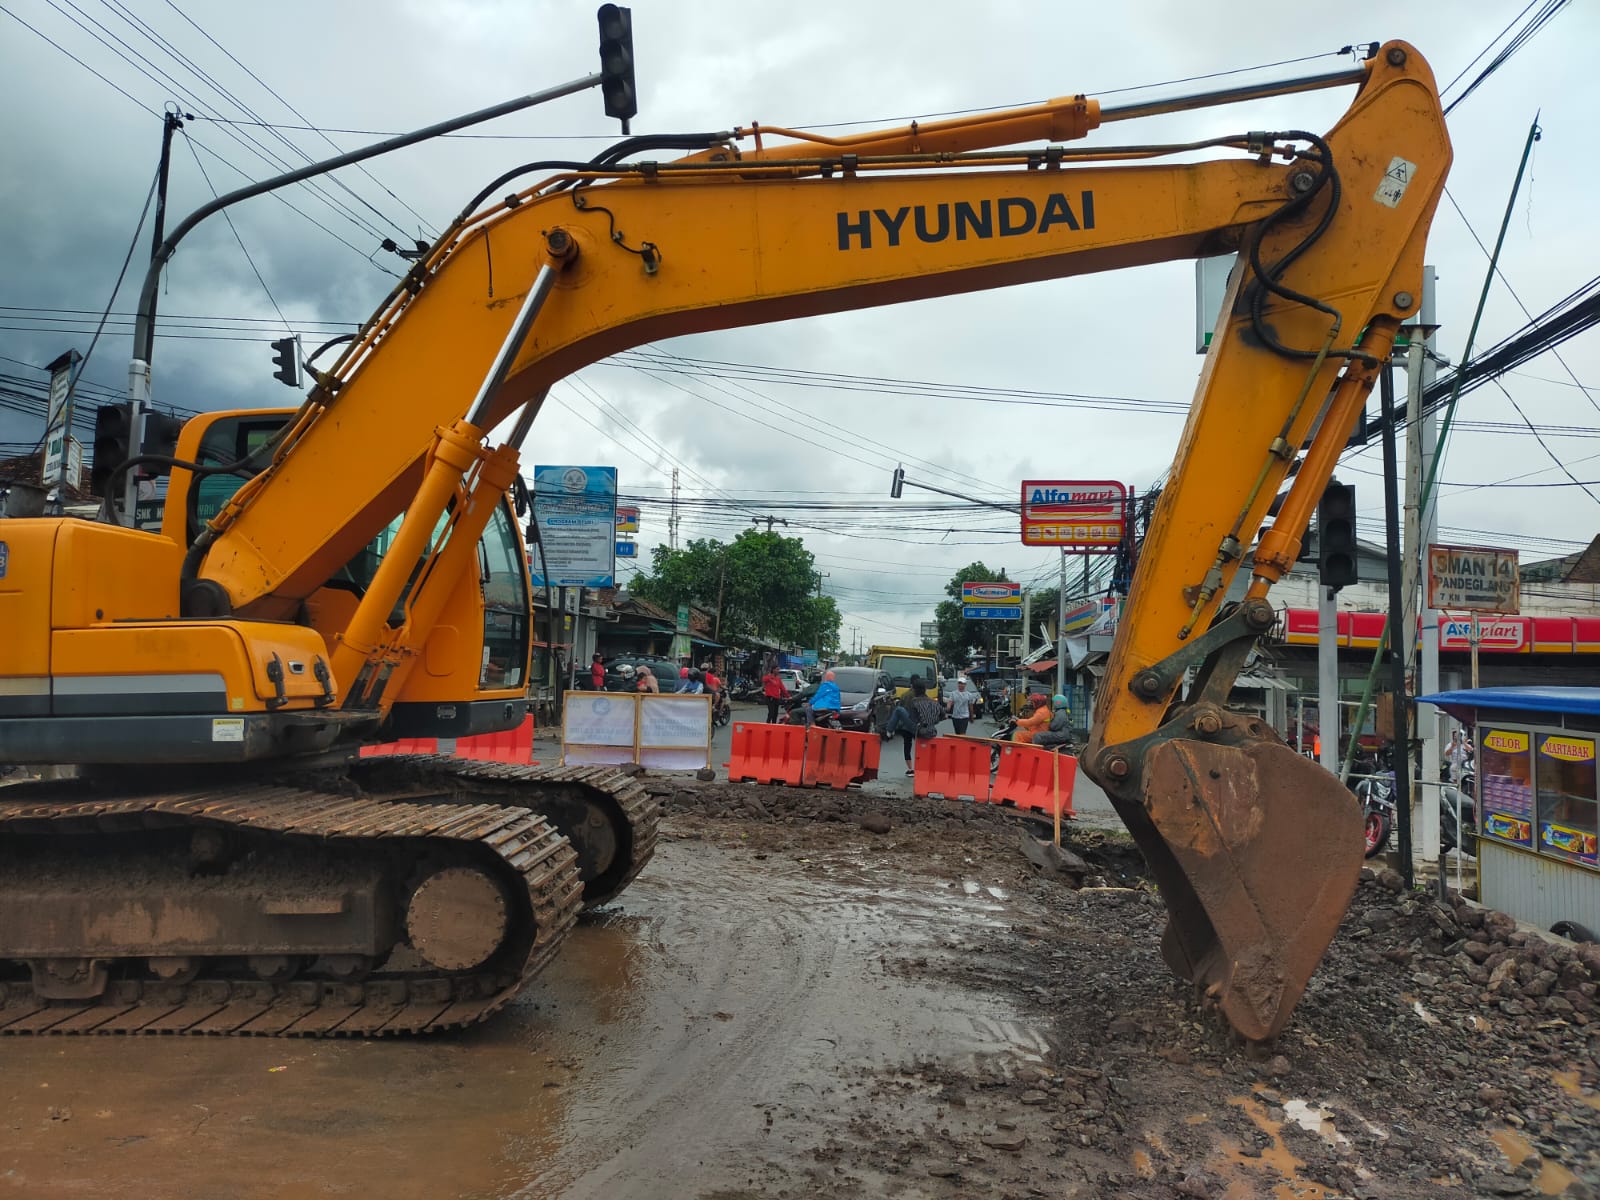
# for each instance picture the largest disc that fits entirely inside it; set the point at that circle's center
(87, 80)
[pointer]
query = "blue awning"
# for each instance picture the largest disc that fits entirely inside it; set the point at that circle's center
(1526, 699)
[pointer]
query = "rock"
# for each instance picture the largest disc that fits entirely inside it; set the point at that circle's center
(1491, 1097)
(1123, 1027)
(1476, 951)
(1579, 1190)
(1276, 1067)
(1195, 1187)
(1005, 1139)
(1368, 875)
(1380, 918)
(1391, 880)
(1540, 984)
(756, 809)
(1502, 975)
(1425, 981)
(1399, 955)
(875, 822)
(945, 1171)
(1034, 1096)
(705, 775)
(1470, 918)
(1052, 859)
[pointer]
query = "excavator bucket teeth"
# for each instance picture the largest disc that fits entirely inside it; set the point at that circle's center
(1257, 851)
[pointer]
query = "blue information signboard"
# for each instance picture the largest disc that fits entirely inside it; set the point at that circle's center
(576, 510)
(991, 612)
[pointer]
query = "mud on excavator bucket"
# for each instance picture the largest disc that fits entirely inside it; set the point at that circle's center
(1257, 852)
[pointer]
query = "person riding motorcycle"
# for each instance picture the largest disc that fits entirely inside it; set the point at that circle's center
(1060, 731)
(1035, 720)
(719, 694)
(824, 702)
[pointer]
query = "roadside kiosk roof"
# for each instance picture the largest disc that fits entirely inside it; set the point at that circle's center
(1530, 699)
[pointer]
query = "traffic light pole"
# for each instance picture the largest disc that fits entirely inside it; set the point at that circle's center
(1401, 755)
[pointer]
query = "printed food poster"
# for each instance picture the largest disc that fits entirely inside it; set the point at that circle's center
(1505, 784)
(1567, 802)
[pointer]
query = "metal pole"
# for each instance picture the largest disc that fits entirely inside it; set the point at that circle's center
(1423, 370)
(1328, 676)
(1397, 662)
(1061, 631)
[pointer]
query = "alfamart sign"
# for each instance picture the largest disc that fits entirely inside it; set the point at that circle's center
(1074, 513)
(1473, 579)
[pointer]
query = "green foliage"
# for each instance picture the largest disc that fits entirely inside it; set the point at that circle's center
(765, 582)
(958, 637)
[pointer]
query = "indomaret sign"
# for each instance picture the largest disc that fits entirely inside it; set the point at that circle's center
(1473, 579)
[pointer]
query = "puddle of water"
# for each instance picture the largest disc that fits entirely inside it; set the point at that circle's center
(1243, 1172)
(1569, 1083)
(1552, 1179)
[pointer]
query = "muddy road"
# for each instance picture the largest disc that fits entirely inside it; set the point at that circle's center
(785, 1004)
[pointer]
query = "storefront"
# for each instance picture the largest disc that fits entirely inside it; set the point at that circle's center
(1538, 800)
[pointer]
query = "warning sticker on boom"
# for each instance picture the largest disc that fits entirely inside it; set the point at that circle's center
(227, 729)
(1395, 181)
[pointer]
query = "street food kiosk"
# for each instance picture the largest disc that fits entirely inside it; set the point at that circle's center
(1538, 838)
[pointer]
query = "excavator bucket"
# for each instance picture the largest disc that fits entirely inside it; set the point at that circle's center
(1257, 851)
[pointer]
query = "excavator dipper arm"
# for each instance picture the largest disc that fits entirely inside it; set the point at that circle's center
(1256, 851)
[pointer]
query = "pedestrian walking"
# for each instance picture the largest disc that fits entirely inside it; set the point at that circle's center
(962, 705)
(597, 673)
(775, 692)
(916, 717)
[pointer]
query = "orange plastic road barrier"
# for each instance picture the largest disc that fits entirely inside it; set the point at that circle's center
(835, 758)
(766, 753)
(871, 758)
(1026, 779)
(403, 746)
(953, 768)
(511, 746)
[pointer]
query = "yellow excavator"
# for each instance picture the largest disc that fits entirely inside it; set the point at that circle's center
(352, 571)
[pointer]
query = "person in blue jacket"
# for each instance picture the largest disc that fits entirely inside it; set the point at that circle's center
(826, 698)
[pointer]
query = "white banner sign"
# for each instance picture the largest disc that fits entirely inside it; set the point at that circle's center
(598, 718)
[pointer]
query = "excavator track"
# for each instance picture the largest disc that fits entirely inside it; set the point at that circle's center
(488, 860)
(608, 817)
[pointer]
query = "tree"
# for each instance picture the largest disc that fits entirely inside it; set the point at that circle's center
(959, 636)
(761, 584)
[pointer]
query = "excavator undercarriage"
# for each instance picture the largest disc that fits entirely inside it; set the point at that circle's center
(409, 895)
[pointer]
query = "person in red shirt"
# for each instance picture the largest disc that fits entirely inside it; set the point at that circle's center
(713, 688)
(772, 687)
(597, 673)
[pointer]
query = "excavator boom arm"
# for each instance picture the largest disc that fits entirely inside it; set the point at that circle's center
(1255, 857)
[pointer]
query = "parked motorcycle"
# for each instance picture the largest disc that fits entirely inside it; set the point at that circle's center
(1378, 804)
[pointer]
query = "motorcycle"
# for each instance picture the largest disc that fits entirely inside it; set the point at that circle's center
(800, 712)
(1378, 806)
(1001, 735)
(721, 709)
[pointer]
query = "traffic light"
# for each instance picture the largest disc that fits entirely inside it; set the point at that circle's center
(1336, 536)
(111, 449)
(286, 354)
(899, 483)
(160, 436)
(616, 63)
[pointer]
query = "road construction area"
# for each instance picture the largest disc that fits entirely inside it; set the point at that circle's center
(818, 994)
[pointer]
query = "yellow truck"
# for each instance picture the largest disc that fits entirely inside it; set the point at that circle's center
(903, 663)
